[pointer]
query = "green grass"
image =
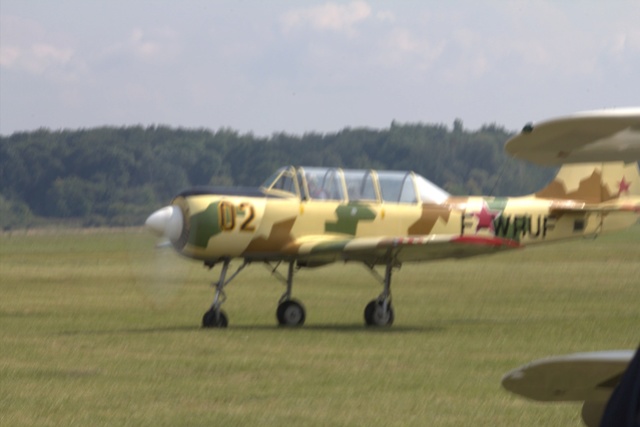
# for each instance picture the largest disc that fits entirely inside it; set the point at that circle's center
(91, 336)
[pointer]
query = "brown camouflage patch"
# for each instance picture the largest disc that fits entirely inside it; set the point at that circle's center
(590, 190)
(279, 237)
(429, 217)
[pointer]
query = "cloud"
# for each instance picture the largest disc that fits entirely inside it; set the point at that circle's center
(143, 47)
(625, 43)
(341, 18)
(160, 44)
(385, 16)
(155, 45)
(312, 65)
(28, 47)
(400, 47)
(9, 56)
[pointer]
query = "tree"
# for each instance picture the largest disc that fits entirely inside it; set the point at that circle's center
(116, 176)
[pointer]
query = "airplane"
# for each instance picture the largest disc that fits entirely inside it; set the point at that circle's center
(308, 217)
(607, 382)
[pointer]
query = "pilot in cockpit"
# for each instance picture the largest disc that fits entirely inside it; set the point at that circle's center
(315, 191)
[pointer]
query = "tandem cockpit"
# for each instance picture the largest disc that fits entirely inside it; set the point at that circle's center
(353, 185)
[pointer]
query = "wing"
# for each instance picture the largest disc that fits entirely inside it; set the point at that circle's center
(400, 249)
(580, 376)
(593, 136)
(588, 377)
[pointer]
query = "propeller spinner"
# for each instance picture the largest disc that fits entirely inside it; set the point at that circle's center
(166, 222)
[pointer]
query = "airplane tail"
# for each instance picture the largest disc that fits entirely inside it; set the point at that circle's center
(612, 183)
(603, 197)
(598, 185)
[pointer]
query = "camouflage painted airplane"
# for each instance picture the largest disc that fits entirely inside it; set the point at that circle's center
(310, 216)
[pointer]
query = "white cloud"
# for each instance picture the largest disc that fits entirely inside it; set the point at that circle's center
(9, 56)
(400, 48)
(319, 64)
(329, 16)
(155, 45)
(143, 48)
(402, 40)
(160, 44)
(45, 54)
(625, 43)
(385, 16)
(27, 47)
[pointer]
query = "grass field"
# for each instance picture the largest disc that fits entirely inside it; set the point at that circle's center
(88, 339)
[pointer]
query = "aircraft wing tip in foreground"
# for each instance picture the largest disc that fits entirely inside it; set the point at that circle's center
(605, 381)
(588, 136)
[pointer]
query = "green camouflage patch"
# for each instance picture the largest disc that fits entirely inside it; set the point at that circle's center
(348, 217)
(497, 204)
(204, 226)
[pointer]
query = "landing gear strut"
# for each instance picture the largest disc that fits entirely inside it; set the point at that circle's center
(290, 311)
(215, 317)
(379, 312)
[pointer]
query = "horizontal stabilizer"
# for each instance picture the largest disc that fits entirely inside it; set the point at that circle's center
(569, 206)
(592, 136)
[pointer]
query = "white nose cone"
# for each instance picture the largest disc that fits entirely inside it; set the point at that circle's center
(166, 222)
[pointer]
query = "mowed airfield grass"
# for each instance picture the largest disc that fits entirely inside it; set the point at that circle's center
(91, 336)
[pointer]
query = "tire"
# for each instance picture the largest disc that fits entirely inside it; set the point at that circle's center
(375, 316)
(291, 313)
(211, 319)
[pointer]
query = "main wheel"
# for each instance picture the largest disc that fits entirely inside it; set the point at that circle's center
(215, 319)
(375, 315)
(290, 313)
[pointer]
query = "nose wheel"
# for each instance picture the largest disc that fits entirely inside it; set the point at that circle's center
(215, 319)
(290, 312)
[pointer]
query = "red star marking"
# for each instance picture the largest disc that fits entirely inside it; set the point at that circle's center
(485, 218)
(623, 186)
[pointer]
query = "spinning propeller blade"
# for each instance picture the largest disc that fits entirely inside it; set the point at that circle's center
(157, 269)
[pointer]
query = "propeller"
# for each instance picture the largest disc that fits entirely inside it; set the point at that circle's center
(158, 270)
(166, 223)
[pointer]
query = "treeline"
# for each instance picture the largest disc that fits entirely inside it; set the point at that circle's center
(112, 176)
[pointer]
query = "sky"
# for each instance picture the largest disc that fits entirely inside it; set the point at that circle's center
(297, 67)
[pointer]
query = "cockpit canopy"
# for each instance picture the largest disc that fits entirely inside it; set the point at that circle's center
(344, 185)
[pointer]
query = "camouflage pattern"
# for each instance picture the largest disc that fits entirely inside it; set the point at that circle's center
(272, 224)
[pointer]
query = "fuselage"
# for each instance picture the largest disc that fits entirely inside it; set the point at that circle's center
(275, 221)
